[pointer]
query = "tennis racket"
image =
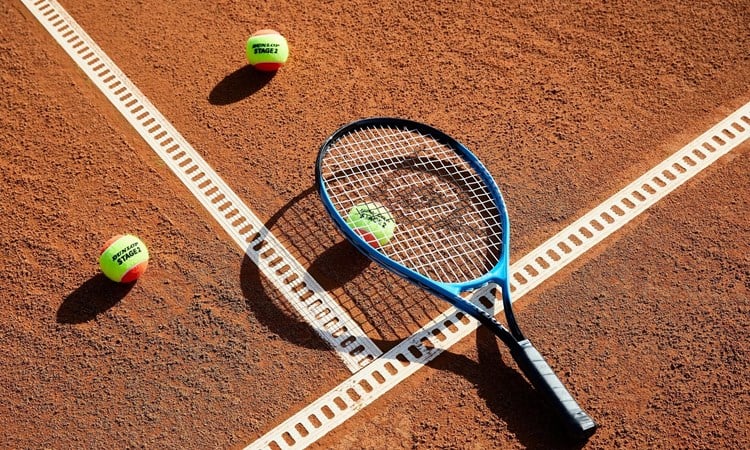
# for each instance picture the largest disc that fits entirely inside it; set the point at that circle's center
(451, 233)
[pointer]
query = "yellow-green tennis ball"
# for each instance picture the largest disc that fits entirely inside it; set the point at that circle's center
(123, 258)
(373, 222)
(267, 50)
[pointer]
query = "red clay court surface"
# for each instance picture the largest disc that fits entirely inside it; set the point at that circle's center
(565, 104)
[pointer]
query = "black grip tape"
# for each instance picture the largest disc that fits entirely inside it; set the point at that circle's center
(577, 423)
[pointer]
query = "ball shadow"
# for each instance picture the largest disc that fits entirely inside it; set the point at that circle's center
(239, 85)
(95, 296)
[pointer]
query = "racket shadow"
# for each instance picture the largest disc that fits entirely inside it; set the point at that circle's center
(389, 309)
(273, 311)
(507, 394)
(386, 307)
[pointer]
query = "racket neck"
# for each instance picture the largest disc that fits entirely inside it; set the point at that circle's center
(510, 317)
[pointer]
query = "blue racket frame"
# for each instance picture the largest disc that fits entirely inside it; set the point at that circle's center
(498, 274)
(577, 423)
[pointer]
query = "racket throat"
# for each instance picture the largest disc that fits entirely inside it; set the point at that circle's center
(510, 316)
(488, 291)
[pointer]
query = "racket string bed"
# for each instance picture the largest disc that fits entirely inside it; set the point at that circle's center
(447, 221)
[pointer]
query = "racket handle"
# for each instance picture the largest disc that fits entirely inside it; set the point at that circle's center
(577, 423)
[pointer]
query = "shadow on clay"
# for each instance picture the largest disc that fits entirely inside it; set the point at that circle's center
(507, 394)
(272, 310)
(385, 306)
(239, 85)
(390, 309)
(95, 296)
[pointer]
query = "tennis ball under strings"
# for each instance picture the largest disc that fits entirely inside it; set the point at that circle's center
(267, 50)
(373, 222)
(123, 258)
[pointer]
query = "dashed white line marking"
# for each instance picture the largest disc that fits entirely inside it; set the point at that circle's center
(304, 293)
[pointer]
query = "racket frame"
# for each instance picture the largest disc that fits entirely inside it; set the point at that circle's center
(577, 423)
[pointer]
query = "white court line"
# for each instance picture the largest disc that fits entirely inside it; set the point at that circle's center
(367, 385)
(302, 291)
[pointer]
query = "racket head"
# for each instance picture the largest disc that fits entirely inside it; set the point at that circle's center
(452, 229)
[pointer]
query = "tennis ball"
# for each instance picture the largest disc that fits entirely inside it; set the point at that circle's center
(123, 258)
(373, 222)
(267, 50)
